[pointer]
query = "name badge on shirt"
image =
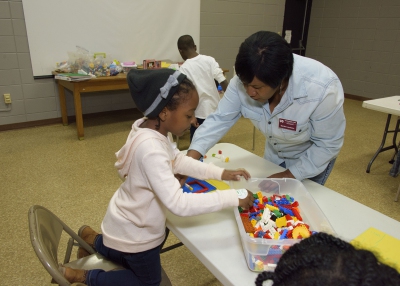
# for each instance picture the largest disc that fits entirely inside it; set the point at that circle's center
(287, 124)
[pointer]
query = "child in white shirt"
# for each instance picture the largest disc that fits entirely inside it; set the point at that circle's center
(133, 228)
(203, 71)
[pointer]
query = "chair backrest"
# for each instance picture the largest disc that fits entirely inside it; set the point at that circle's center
(45, 231)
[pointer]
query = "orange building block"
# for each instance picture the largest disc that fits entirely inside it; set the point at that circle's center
(248, 227)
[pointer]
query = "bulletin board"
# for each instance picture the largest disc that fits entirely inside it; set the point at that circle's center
(126, 30)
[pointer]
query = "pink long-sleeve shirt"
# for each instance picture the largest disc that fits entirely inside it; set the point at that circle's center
(135, 218)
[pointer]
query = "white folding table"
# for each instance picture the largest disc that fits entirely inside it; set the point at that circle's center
(391, 106)
(215, 240)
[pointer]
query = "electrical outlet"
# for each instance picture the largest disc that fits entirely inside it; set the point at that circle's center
(7, 98)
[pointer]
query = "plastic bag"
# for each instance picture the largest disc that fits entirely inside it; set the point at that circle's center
(96, 64)
(62, 67)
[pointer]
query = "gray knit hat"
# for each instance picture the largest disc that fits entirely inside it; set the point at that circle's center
(151, 90)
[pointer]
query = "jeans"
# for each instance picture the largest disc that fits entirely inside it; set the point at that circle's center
(143, 268)
(193, 129)
(321, 178)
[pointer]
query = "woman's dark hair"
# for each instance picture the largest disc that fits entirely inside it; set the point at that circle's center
(325, 260)
(265, 55)
(181, 95)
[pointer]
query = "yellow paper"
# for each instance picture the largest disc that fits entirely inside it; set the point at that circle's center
(385, 247)
(220, 185)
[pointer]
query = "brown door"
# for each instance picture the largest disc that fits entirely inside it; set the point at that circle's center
(295, 22)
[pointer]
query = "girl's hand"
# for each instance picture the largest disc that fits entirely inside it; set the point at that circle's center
(234, 175)
(248, 201)
(181, 178)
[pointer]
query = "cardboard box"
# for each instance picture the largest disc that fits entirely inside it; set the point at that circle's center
(149, 64)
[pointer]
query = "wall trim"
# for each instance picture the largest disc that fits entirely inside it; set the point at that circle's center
(356, 97)
(36, 123)
(93, 115)
(30, 124)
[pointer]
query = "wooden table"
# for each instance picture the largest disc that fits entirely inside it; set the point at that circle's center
(391, 106)
(117, 82)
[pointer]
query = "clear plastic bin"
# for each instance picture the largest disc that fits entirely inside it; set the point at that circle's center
(126, 67)
(261, 253)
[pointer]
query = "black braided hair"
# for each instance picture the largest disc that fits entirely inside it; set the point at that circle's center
(181, 94)
(264, 276)
(325, 260)
(179, 97)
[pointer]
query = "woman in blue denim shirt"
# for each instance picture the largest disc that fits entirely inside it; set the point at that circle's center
(296, 102)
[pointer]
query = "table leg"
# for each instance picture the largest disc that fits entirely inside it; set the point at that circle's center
(254, 137)
(396, 147)
(63, 105)
(78, 113)
(381, 149)
(162, 250)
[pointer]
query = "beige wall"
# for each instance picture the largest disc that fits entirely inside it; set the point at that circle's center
(32, 99)
(224, 25)
(359, 40)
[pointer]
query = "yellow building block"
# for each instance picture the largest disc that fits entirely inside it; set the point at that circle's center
(271, 208)
(259, 265)
(281, 222)
(300, 231)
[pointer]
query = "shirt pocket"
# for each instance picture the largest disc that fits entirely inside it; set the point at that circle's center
(252, 115)
(302, 134)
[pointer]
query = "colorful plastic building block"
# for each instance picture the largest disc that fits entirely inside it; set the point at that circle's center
(275, 217)
(259, 265)
(248, 227)
(197, 186)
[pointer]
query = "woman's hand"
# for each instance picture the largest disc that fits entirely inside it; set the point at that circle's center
(234, 175)
(284, 174)
(269, 186)
(248, 201)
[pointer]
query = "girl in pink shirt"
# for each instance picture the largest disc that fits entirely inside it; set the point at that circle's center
(133, 228)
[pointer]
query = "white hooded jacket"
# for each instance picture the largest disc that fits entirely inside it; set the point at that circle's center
(135, 218)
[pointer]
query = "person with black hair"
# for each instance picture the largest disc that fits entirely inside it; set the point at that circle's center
(296, 102)
(325, 260)
(203, 71)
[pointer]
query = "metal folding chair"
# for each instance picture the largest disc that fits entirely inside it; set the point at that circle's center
(46, 230)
